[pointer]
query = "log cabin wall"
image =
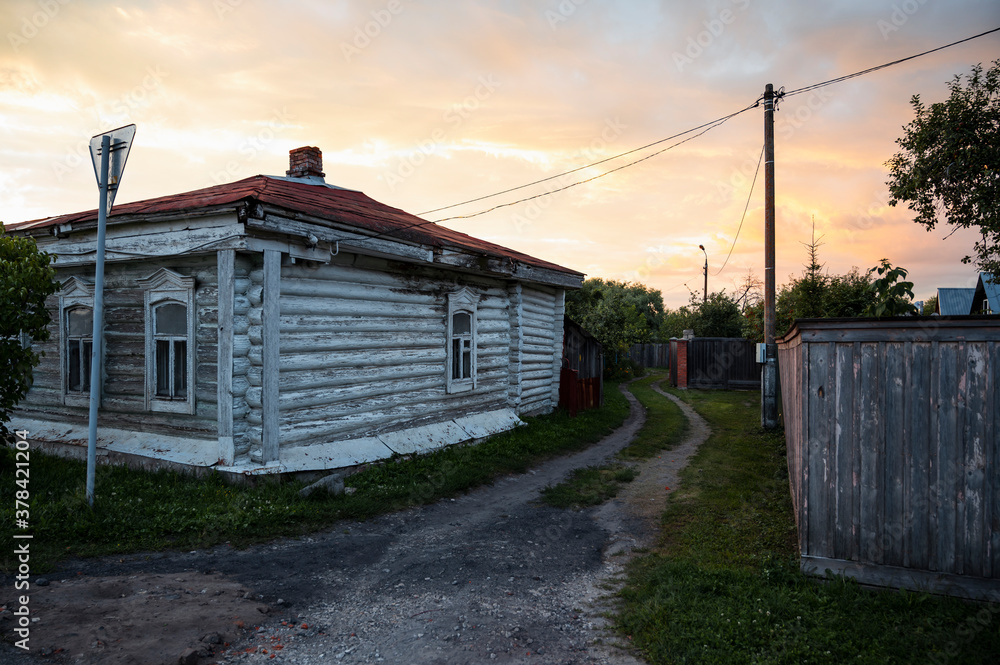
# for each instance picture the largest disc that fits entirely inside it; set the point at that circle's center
(540, 348)
(124, 390)
(244, 415)
(363, 347)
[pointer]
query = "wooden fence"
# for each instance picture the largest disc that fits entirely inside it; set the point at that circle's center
(650, 355)
(714, 363)
(893, 436)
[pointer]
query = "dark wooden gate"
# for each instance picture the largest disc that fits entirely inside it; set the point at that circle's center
(723, 363)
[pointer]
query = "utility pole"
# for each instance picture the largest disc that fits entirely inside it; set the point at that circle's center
(704, 295)
(769, 374)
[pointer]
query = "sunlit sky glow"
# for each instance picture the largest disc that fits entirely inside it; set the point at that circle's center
(425, 104)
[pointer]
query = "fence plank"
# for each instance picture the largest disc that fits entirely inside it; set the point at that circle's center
(868, 423)
(917, 541)
(844, 446)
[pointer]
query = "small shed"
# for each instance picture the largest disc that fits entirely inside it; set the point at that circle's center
(285, 324)
(582, 377)
(893, 435)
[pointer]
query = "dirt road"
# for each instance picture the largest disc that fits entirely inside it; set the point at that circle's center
(493, 576)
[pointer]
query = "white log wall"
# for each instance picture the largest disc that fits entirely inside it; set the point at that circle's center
(363, 348)
(540, 348)
(125, 353)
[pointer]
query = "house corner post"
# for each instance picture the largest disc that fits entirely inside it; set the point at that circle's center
(270, 324)
(226, 265)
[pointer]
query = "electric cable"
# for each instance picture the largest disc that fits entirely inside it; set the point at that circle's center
(807, 88)
(745, 208)
(592, 164)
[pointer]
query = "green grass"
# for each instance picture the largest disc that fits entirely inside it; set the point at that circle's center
(590, 486)
(665, 428)
(723, 586)
(138, 511)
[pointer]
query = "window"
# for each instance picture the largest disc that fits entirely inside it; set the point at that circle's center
(169, 299)
(461, 346)
(76, 333)
(461, 356)
(79, 328)
(170, 340)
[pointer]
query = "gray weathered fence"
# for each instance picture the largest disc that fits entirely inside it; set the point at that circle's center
(650, 355)
(893, 436)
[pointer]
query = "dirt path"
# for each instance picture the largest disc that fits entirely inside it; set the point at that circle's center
(493, 576)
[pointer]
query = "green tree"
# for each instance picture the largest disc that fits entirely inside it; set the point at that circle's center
(930, 306)
(949, 165)
(26, 280)
(891, 294)
(618, 314)
(718, 316)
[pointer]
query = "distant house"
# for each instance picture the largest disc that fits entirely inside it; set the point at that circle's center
(986, 295)
(283, 324)
(954, 301)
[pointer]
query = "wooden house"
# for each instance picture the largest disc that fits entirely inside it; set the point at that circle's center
(284, 324)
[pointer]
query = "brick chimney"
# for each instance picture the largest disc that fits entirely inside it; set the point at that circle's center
(305, 162)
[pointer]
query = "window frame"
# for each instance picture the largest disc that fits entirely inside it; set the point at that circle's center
(76, 293)
(462, 301)
(166, 287)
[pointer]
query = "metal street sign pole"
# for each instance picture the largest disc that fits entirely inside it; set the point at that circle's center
(97, 339)
(108, 176)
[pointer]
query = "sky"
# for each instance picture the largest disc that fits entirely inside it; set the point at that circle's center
(425, 104)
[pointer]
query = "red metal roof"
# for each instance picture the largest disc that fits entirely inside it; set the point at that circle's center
(343, 206)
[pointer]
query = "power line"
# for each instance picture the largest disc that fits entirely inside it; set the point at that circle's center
(587, 166)
(745, 208)
(709, 127)
(807, 88)
(705, 127)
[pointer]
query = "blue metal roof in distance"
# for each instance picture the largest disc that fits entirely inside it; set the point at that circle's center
(955, 302)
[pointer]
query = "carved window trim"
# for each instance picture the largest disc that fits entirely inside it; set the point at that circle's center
(166, 287)
(76, 293)
(461, 347)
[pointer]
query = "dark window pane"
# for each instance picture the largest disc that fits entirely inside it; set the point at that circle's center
(461, 323)
(85, 365)
(171, 319)
(180, 369)
(162, 368)
(75, 366)
(80, 322)
(467, 365)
